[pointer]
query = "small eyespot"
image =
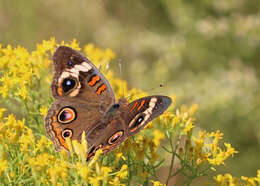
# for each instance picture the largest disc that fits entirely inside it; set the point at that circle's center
(67, 115)
(137, 122)
(67, 133)
(68, 84)
(115, 137)
(70, 63)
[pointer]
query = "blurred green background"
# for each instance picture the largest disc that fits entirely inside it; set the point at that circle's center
(206, 52)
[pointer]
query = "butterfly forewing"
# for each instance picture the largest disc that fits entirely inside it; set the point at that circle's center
(143, 110)
(77, 78)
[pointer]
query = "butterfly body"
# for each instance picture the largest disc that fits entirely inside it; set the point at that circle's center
(85, 102)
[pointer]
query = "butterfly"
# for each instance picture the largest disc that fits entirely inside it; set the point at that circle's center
(85, 102)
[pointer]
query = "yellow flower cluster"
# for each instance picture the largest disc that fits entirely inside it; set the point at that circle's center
(19, 68)
(45, 165)
(28, 157)
(228, 179)
(211, 152)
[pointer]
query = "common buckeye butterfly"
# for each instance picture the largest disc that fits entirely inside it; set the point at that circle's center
(85, 101)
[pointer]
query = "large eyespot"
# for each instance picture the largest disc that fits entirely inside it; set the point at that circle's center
(68, 84)
(67, 133)
(115, 137)
(67, 115)
(137, 122)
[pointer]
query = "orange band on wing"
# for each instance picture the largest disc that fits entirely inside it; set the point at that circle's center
(57, 131)
(93, 80)
(141, 105)
(59, 91)
(136, 103)
(108, 148)
(100, 89)
(134, 129)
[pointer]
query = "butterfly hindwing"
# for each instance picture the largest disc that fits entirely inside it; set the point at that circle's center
(126, 120)
(70, 119)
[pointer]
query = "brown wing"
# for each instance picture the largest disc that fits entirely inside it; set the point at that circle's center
(70, 119)
(126, 120)
(107, 137)
(142, 111)
(76, 78)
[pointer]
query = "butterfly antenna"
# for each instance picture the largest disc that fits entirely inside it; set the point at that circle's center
(155, 88)
(147, 90)
(161, 85)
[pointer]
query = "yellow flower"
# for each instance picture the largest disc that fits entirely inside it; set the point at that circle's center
(12, 129)
(58, 172)
(74, 44)
(248, 180)
(79, 148)
(166, 117)
(157, 183)
(94, 181)
(46, 45)
(4, 91)
(199, 142)
(83, 170)
(189, 125)
(119, 155)
(104, 173)
(252, 180)
(69, 144)
(116, 182)
(22, 91)
(227, 179)
(43, 111)
(97, 154)
(3, 167)
(27, 140)
(43, 144)
(2, 110)
(123, 172)
(41, 162)
(98, 56)
(221, 155)
(158, 136)
(258, 176)
(230, 150)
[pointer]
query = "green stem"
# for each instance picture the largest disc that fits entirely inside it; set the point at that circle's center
(129, 172)
(172, 160)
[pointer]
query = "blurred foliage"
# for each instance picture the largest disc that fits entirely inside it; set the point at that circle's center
(207, 52)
